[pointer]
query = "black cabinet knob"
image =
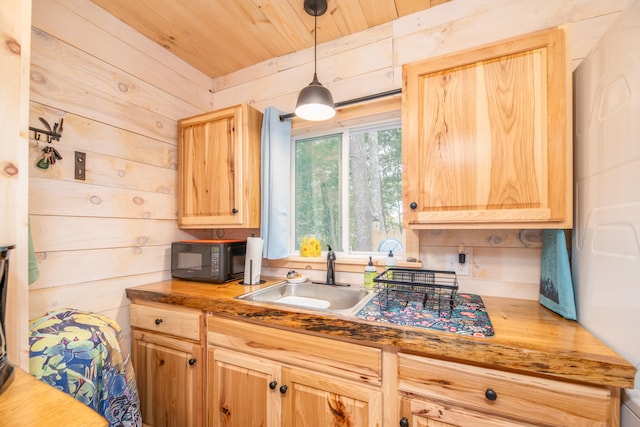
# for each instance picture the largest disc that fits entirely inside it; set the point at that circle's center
(404, 422)
(413, 205)
(283, 389)
(158, 321)
(490, 394)
(192, 362)
(273, 385)
(234, 211)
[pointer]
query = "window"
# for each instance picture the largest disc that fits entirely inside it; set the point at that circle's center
(348, 189)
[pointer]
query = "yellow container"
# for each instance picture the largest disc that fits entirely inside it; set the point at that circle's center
(310, 247)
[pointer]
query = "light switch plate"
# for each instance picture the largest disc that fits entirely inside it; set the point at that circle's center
(452, 264)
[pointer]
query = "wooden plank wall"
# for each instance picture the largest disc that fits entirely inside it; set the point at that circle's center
(506, 262)
(120, 97)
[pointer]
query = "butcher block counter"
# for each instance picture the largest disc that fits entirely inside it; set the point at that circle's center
(528, 337)
(532, 348)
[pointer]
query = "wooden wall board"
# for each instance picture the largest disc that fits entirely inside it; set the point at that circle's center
(49, 52)
(97, 296)
(481, 238)
(48, 197)
(52, 87)
(106, 170)
(337, 73)
(586, 33)
(69, 233)
(302, 58)
(120, 46)
(62, 268)
(450, 27)
(84, 134)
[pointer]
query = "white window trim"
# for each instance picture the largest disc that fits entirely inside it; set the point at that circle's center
(310, 133)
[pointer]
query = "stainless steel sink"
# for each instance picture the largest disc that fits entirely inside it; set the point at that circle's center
(334, 299)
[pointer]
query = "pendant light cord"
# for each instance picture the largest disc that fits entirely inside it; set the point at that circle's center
(315, 40)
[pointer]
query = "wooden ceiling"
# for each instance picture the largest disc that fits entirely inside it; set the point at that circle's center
(219, 37)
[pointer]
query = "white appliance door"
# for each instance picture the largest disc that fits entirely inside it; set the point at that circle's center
(606, 246)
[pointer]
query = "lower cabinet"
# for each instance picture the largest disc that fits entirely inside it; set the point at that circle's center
(328, 401)
(243, 390)
(263, 376)
(437, 393)
(169, 364)
(281, 378)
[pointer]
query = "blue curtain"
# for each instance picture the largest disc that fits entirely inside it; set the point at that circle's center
(275, 182)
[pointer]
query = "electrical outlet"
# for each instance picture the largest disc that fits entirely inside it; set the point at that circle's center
(452, 264)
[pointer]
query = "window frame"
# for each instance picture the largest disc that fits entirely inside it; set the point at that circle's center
(345, 129)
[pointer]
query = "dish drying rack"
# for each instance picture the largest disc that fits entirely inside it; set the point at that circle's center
(435, 288)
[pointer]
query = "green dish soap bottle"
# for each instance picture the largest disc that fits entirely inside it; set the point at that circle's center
(370, 273)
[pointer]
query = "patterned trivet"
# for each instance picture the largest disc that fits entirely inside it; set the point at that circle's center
(469, 315)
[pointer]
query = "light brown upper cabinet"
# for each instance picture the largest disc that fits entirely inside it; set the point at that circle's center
(487, 136)
(219, 169)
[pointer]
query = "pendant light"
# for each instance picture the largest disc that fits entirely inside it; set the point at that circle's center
(315, 101)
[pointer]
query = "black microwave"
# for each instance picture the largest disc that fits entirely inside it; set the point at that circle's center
(215, 261)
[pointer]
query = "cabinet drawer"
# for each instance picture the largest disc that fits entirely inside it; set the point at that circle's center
(167, 319)
(531, 399)
(337, 358)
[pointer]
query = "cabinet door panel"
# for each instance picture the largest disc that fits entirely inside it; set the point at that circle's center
(210, 168)
(314, 400)
(219, 169)
(485, 135)
(240, 392)
(169, 377)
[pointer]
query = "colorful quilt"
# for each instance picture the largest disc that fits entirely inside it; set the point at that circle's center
(85, 355)
(468, 317)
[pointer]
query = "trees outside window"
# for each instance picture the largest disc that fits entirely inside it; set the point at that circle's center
(348, 189)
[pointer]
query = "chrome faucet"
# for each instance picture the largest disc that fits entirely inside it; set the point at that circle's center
(331, 267)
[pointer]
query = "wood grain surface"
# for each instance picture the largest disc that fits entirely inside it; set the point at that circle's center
(29, 402)
(528, 338)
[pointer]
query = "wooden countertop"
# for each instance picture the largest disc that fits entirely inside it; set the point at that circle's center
(30, 402)
(528, 337)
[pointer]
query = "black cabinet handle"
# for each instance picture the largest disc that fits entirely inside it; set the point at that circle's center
(413, 205)
(192, 362)
(490, 394)
(273, 385)
(404, 422)
(283, 389)
(234, 211)
(158, 321)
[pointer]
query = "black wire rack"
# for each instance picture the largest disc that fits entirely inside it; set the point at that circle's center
(436, 289)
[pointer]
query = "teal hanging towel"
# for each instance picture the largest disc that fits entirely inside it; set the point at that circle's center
(556, 287)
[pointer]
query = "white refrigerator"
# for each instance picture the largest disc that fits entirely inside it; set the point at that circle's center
(606, 233)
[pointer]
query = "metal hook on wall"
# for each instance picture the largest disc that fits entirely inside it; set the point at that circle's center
(49, 154)
(53, 134)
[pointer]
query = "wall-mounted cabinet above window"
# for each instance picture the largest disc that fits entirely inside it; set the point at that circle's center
(487, 136)
(219, 169)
